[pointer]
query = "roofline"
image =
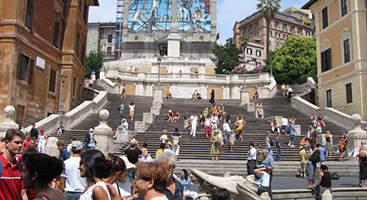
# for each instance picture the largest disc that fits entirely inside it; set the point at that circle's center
(309, 4)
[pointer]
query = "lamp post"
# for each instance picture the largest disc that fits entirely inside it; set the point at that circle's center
(159, 60)
(61, 111)
(244, 71)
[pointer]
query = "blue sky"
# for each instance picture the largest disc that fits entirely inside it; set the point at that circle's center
(228, 11)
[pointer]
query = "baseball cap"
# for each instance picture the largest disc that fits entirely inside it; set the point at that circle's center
(76, 145)
(128, 164)
(42, 130)
(91, 129)
(92, 145)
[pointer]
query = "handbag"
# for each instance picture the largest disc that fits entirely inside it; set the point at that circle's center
(239, 128)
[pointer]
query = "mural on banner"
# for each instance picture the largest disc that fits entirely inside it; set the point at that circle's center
(194, 15)
(155, 16)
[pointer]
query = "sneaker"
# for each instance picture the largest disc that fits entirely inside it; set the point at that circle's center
(289, 144)
(292, 145)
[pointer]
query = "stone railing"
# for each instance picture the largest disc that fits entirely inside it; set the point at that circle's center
(330, 114)
(74, 116)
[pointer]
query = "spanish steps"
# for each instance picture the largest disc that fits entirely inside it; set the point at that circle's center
(195, 152)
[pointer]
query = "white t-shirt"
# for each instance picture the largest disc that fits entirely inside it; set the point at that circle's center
(132, 107)
(88, 194)
(214, 120)
(226, 128)
(73, 182)
(284, 122)
(123, 189)
(194, 120)
(252, 154)
(265, 180)
(163, 138)
(207, 122)
(160, 198)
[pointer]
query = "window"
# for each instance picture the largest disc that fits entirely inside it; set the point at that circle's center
(80, 92)
(348, 92)
(135, 54)
(308, 33)
(285, 36)
(77, 44)
(109, 51)
(344, 7)
(109, 38)
(29, 14)
(292, 29)
(277, 45)
(55, 40)
(25, 70)
(52, 83)
(82, 58)
(285, 27)
(249, 51)
(276, 25)
(258, 53)
(328, 98)
(325, 20)
(326, 60)
(346, 48)
(74, 85)
(277, 34)
(257, 24)
(299, 31)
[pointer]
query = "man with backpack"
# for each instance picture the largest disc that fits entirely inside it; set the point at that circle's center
(313, 158)
(11, 183)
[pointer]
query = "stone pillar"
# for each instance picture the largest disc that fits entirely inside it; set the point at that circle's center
(357, 135)
(51, 147)
(174, 41)
(9, 122)
(103, 133)
(245, 97)
(122, 136)
(158, 95)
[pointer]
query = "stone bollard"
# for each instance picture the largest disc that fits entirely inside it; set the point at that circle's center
(244, 98)
(357, 135)
(326, 195)
(148, 118)
(8, 122)
(51, 147)
(250, 107)
(122, 136)
(158, 94)
(155, 110)
(103, 133)
(139, 126)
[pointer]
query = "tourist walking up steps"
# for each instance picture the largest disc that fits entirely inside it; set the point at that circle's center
(251, 159)
(132, 110)
(194, 123)
(278, 145)
(214, 149)
(121, 109)
(293, 132)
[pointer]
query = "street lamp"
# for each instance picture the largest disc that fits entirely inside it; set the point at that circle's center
(61, 111)
(159, 60)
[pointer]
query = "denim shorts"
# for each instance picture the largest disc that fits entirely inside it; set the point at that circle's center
(311, 171)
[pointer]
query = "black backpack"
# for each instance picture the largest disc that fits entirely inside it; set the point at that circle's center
(315, 157)
(87, 138)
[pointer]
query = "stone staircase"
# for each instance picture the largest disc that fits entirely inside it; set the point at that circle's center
(195, 152)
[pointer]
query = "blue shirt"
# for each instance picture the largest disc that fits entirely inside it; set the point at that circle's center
(64, 155)
(122, 107)
(293, 129)
(322, 153)
(268, 161)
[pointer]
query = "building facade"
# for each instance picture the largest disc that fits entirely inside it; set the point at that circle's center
(341, 33)
(40, 41)
(254, 28)
(148, 23)
(103, 36)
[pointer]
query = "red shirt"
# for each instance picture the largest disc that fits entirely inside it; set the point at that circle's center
(26, 144)
(11, 183)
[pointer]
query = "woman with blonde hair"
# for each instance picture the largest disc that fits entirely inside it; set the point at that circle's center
(240, 123)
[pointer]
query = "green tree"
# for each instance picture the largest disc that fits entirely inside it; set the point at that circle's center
(93, 62)
(268, 8)
(295, 60)
(226, 57)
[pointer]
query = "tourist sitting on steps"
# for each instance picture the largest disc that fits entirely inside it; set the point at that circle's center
(186, 184)
(170, 116)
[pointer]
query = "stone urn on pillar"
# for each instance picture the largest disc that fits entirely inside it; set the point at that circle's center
(357, 135)
(103, 133)
(9, 122)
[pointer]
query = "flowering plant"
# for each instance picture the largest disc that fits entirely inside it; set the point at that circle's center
(239, 70)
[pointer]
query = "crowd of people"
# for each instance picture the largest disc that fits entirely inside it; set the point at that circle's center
(88, 174)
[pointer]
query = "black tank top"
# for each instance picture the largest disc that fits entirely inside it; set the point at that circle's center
(326, 180)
